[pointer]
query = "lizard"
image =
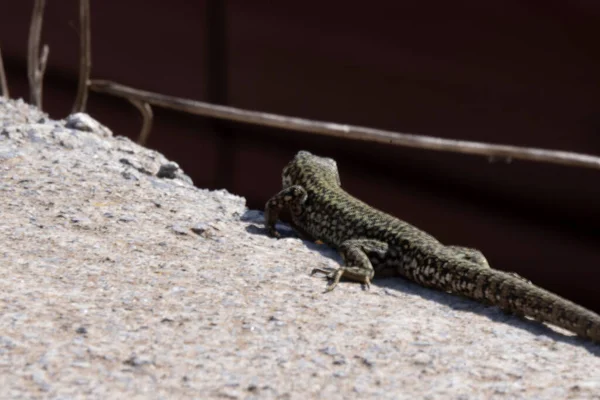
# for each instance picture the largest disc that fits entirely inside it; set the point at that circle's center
(372, 243)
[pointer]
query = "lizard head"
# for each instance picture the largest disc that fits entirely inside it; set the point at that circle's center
(307, 167)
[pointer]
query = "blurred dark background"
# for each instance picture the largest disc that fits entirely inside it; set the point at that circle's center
(519, 72)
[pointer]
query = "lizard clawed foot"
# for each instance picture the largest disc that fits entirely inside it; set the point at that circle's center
(329, 272)
(272, 232)
(332, 274)
(367, 284)
(335, 275)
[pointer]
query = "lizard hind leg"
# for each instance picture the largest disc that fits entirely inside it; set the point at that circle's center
(469, 254)
(357, 265)
(477, 257)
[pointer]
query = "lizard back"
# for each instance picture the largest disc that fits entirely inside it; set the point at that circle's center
(328, 213)
(332, 215)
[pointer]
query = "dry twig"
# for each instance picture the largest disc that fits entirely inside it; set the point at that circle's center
(349, 131)
(147, 118)
(3, 84)
(36, 64)
(85, 56)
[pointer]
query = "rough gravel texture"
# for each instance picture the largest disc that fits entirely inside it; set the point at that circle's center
(118, 283)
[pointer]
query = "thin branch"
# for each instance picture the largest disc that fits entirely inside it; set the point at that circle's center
(36, 65)
(85, 56)
(147, 118)
(3, 85)
(43, 62)
(349, 131)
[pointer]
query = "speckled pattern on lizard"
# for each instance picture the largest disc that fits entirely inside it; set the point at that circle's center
(373, 243)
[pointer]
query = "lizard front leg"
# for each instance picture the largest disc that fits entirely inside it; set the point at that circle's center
(292, 197)
(357, 265)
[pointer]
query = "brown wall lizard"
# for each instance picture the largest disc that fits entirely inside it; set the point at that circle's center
(372, 242)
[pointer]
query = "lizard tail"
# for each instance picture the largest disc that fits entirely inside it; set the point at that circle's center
(519, 297)
(512, 294)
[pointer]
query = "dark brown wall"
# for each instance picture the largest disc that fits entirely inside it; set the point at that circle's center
(516, 72)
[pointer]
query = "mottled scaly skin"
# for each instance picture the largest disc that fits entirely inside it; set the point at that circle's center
(372, 242)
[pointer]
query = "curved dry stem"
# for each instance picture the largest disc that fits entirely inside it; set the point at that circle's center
(43, 62)
(85, 56)
(147, 119)
(3, 84)
(506, 152)
(36, 64)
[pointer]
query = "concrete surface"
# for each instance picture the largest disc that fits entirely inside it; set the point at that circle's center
(118, 283)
